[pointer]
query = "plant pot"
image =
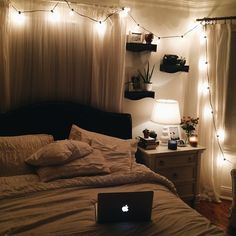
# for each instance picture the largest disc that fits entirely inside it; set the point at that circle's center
(147, 86)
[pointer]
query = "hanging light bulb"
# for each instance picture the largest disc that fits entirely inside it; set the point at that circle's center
(71, 12)
(101, 27)
(17, 16)
(54, 16)
(124, 12)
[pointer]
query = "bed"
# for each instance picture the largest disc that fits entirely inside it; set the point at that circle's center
(41, 195)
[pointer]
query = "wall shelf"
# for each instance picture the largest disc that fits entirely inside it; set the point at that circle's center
(136, 95)
(173, 68)
(139, 47)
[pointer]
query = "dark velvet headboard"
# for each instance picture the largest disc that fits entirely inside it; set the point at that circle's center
(56, 118)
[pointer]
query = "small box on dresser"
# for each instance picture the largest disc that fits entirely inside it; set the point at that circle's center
(181, 166)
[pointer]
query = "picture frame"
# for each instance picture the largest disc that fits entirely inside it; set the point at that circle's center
(174, 132)
(135, 37)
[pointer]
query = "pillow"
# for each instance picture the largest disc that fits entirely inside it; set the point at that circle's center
(117, 160)
(92, 164)
(59, 152)
(15, 149)
(77, 133)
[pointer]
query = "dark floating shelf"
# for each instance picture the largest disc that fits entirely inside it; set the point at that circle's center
(173, 68)
(136, 95)
(139, 47)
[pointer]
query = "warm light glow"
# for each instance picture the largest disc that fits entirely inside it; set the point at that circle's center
(166, 111)
(202, 64)
(54, 16)
(221, 135)
(203, 88)
(101, 27)
(124, 12)
(17, 17)
(71, 12)
(220, 160)
(207, 112)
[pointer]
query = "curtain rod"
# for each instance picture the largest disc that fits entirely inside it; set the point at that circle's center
(217, 18)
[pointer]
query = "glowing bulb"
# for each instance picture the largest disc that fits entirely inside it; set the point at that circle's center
(202, 64)
(101, 27)
(124, 11)
(54, 16)
(207, 112)
(71, 12)
(221, 135)
(203, 88)
(17, 17)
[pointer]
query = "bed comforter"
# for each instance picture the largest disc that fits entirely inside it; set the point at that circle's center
(67, 206)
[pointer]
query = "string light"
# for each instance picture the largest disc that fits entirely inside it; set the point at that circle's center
(219, 133)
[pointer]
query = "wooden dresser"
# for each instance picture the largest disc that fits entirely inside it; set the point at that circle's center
(181, 166)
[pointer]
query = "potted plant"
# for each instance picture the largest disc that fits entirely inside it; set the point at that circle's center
(146, 76)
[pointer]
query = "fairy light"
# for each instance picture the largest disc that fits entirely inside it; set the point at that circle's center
(71, 12)
(124, 12)
(219, 132)
(101, 27)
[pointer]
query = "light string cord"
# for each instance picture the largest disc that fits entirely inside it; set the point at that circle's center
(164, 37)
(72, 9)
(210, 101)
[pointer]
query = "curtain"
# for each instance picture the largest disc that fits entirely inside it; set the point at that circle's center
(216, 75)
(64, 58)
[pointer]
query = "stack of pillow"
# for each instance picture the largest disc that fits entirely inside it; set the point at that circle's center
(66, 159)
(84, 153)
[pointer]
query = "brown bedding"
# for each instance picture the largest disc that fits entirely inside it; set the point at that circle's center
(59, 198)
(66, 206)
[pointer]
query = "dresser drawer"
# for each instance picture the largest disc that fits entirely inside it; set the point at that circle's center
(175, 161)
(185, 173)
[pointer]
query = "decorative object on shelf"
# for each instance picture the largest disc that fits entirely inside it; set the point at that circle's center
(172, 63)
(146, 76)
(193, 140)
(136, 82)
(166, 112)
(146, 133)
(147, 143)
(148, 38)
(172, 144)
(140, 47)
(188, 124)
(135, 37)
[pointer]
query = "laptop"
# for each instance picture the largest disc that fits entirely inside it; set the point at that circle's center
(124, 206)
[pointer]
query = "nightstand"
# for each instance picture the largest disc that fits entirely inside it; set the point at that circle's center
(181, 166)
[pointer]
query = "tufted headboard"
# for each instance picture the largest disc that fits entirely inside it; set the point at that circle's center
(56, 118)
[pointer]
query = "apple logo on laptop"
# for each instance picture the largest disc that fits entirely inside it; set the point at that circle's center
(125, 208)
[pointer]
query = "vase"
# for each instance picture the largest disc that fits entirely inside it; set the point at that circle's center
(147, 86)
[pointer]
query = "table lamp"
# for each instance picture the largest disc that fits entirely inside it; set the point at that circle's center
(166, 112)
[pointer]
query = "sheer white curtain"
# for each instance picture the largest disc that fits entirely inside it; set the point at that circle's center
(218, 54)
(65, 59)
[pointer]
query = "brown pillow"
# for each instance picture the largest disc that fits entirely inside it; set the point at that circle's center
(15, 149)
(92, 164)
(59, 152)
(77, 133)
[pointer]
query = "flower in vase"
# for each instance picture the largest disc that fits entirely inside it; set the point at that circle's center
(188, 124)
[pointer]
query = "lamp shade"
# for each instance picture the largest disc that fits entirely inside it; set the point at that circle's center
(166, 112)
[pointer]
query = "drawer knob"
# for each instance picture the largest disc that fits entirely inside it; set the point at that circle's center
(190, 159)
(161, 162)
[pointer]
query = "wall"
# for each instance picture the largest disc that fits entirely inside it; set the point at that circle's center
(166, 20)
